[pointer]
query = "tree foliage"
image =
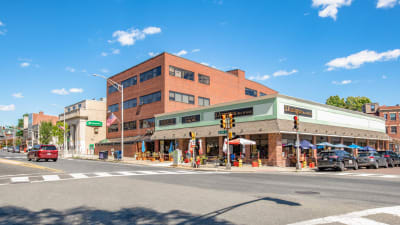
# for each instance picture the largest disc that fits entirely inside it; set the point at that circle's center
(58, 132)
(45, 132)
(351, 102)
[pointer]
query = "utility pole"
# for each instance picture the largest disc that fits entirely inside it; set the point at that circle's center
(296, 127)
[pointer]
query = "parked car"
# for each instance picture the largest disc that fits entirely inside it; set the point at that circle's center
(45, 152)
(336, 159)
(371, 159)
(5, 148)
(16, 150)
(391, 157)
(10, 149)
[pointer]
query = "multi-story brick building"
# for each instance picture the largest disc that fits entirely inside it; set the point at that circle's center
(32, 125)
(167, 83)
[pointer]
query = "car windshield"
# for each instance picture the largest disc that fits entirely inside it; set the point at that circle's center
(49, 147)
(364, 154)
(324, 154)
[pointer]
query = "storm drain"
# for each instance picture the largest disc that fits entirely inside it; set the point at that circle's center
(307, 192)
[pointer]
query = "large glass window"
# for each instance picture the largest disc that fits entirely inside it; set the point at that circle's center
(392, 116)
(153, 97)
(180, 97)
(130, 103)
(178, 72)
(112, 89)
(204, 101)
(129, 82)
(113, 108)
(393, 130)
(204, 79)
(147, 123)
(262, 94)
(131, 125)
(250, 92)
(113, 128)
(150, 74)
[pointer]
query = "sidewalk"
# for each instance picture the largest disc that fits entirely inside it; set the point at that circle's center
(247, 168)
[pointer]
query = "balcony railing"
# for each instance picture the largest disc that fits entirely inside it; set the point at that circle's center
(76, 113)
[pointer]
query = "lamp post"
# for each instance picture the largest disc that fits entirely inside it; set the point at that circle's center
(120, 88)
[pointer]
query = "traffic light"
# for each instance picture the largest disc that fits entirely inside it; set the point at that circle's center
(193, 135)
(296, 122)
(230, 135)
(231, 120)
(223, 121)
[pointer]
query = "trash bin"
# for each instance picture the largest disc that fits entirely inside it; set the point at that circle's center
(103, 155)
(117, 155)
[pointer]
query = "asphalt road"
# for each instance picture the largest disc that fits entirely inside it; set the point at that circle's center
(92, 192)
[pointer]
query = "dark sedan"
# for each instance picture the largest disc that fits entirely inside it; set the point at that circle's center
(336, 159)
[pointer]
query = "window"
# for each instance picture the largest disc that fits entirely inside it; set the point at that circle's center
(372, 107)
(80, 106)
(204, 101)
(147, 99)
(150, 74)
(69, 109)
(250, 92)
(385, 115)
(204, 79)
(112, 89)
(262, 94)
(393, 130)
(113, 108)
(147, 123)
(167, 122)
(392, 116)
(129, 82)
(180, 97)
(130, 103)
(131, 125)
(177, 72)
(113, 128)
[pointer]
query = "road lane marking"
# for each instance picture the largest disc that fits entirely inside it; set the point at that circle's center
(51, 177)
(19, 179)
(148, 172)
(78, 175)
(354, 218)
(126, 173)
(103, 174)
(19, 163)
(390, 176)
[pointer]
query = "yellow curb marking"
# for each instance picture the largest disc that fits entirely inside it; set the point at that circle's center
(18, 163)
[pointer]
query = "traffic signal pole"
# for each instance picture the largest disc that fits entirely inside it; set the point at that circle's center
(296, 126)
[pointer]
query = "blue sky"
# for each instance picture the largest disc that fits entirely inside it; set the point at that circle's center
(309, 49)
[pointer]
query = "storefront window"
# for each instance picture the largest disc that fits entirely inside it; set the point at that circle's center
(260, 147)
(212, 146)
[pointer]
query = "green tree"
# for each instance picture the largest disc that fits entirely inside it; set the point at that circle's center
(58, 132)
(356, 103)
(336, 101)
(45, 132)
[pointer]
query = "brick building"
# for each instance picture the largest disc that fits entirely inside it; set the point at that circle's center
(167, 83)
(32, 125)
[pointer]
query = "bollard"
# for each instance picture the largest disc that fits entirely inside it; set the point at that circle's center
(259, 163)
(240, 163)
(304, 164)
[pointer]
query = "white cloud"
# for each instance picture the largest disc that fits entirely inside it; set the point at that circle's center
(17, 95)
(76, 90)
(330, 7)
(83, 71)
(130, 36)
(2, 31)
(204, 63)
(70, 69)
(356, 60)
(384, 77)
(25, 64)
(181, 52)
(115, 51)
(60, 91)
(152, 30)
(284, 73)
(386, 3)
(7, 107)
(104, 54)
(1, 24)
(343, 82)
(265, 77)
(104, 71)
(195, 50)
(152, 54)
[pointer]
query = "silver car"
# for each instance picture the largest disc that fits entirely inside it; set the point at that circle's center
(371, 159)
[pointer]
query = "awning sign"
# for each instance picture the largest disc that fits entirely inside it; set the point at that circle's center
(291, 110)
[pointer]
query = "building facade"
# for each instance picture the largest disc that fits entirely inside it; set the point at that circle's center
(167, 83)
(32, 123)
(268, 121)
(86, 122)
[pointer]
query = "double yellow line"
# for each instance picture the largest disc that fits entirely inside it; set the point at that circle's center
(18, 163)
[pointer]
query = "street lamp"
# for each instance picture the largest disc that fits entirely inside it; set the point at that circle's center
(120, 88)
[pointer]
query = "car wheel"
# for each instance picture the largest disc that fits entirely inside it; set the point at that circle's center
(46, 160)
(321, 169)
(55, 160)
(37, 159)
(341, 166)
(355, 166)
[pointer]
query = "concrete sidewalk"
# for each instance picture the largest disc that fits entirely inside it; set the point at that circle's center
(247, 168)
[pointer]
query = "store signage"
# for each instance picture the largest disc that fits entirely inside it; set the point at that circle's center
(94, 123)
(167, 122)
(191, 119)
(235, 112)
(291, 110)
(222, 132)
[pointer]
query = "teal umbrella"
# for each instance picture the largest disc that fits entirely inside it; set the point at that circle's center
(143, 147)
(171, 149)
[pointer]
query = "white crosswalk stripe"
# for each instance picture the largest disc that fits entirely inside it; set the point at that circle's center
(354, 218)
(46, 178)
(346, 174)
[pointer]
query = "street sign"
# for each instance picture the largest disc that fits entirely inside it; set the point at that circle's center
(222, 132)
(94, 123)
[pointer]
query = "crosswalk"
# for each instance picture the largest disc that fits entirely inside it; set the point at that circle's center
(348, 174)
(74, 176)
(357, 218)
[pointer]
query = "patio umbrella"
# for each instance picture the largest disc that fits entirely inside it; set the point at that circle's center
(368, 148)
(143, 146)
(355, 146)
(341, 146)
(304, 144)
(241, 141)
(171, 149)
(327, 144)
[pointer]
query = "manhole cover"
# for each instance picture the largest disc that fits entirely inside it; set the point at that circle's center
(307, 192)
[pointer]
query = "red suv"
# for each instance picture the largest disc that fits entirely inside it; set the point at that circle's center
(45, 152)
